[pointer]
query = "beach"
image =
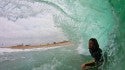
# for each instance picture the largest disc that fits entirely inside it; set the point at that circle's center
(54, 44)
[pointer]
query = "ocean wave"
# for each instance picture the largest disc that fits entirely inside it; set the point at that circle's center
(8, 50)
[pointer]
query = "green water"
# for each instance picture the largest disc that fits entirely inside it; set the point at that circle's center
(64, 58)
(79, 20)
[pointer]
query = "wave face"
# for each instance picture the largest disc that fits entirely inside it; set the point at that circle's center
(117, 54)
(80, 20)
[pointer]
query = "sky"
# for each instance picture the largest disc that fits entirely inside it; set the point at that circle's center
(32, 30)
(27, 22)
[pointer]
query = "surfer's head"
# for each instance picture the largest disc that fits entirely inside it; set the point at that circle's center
(93, 43)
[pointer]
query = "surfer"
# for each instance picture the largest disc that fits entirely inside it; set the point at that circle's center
(96, 53)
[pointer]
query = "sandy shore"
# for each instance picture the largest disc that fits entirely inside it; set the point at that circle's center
(64, 43)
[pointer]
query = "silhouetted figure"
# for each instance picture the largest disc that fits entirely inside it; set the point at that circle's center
(54, 42)
(96, 53)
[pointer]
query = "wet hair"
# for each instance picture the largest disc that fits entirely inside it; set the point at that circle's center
(96, 45)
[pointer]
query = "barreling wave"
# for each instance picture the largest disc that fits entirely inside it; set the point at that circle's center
(80, 20)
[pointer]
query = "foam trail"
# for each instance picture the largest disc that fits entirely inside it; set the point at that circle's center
(8, 50)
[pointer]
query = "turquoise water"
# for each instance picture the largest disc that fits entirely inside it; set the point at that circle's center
(79, 20)
(63, 58)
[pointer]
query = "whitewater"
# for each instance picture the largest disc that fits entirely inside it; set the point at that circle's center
(80, 20)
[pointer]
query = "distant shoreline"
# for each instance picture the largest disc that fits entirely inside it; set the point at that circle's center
(54, 44)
